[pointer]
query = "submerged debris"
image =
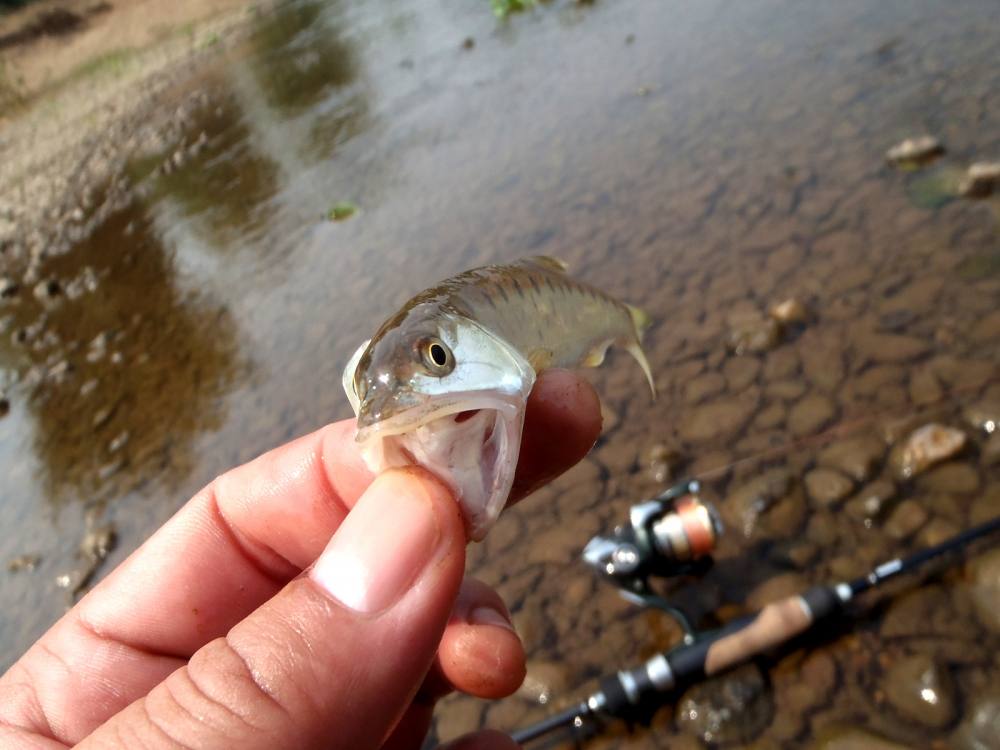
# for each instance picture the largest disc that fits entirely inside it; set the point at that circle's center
(753, 333)
(662, 461)
(342, 211)
(925, 447)
(26, 563)
(981, 180)
(915, 151)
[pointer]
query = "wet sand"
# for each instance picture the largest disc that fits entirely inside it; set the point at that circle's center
(703, 162)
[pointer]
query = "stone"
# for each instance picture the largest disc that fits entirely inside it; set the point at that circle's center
(985, 506)
(980, 730)
(915, 150)
(906, 520)
(852, 738)
(953, 477)
(544, 681)
(25, 563)
(924, 387)
(770, 416)
(753, 333)
(921, 690)
(869, 504)
(990, 454)
(704, 386)
(981, 180)
(662, 461)
(983, 416)
(937, 531)
(789, 311)
(769, 505)
(810, 414)
(740, 372)
(987, 329)
(781, 364)
(719, 419)
(858, 457)
(925, 447)
(929, 611)
(731, 708)
(984, 588)
(889, 347)
(776, 588)
(827, 486)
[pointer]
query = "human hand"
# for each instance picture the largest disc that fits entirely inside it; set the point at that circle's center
(209, 635)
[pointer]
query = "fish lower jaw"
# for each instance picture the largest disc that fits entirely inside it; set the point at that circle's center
(472, 451)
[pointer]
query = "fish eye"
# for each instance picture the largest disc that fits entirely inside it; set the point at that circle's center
(437, 356)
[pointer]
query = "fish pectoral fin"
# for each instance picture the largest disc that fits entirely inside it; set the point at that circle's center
(595, 357)
(540, 359)
(347, 379)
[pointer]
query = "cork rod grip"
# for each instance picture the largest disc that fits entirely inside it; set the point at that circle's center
(775, 624)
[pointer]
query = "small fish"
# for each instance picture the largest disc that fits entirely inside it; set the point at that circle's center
(444, 383)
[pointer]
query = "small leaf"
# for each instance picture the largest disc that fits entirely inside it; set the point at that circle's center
(342, 211)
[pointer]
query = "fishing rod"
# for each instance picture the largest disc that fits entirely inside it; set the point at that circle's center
(708, 654)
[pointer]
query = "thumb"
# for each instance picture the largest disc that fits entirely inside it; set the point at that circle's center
(335, 658)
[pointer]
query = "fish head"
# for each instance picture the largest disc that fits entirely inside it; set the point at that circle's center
(442, 392)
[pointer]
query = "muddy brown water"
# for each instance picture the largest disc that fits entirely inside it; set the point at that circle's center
(704, 161)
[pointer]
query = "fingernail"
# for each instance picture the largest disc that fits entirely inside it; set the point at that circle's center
(490, 616)
(382, 546)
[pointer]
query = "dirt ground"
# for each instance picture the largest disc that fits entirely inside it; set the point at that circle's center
(73, 74)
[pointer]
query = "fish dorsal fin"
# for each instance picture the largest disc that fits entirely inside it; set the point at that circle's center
(548, 262)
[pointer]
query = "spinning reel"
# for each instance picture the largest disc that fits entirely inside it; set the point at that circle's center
(669, 535)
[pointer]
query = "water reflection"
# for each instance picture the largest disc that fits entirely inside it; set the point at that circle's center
(121, 369)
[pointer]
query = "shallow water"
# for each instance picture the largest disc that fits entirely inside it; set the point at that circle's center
(703, 161)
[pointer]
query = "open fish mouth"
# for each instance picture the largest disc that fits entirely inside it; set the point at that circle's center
(470, 442)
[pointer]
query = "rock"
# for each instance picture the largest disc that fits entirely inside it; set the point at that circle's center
(937, 531)
(925, 387)
(983, 416)
(990, 453)
(753, 333)
(916, 150)
(776, 588)
(47, 290)
(704, 386)
(929, 611)
(722, 418)
(906, 520)
(544, 681)
(858, 457)
(926, 446)
(732, 708)
(468, 43)
(985, 506)
(987, 329)
(984, 588)
(8, 287)
(981, 180)
(954, 477)
(25, 563)
(770, 416)
(852, 738)
(662, 461)
(827, 486)
(98, 543)
(740, 372)
(921, 690)
(889, 347)
(770, 505)
(789, 311)
(810, 414)
(980, 730)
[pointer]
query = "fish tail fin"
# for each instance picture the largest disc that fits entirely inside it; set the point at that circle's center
(641, 321)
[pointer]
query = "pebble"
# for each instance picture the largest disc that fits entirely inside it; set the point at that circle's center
(827, 486)
(721, 418)
(921, 690)
(769, 505)
(789, 311)
(852, 738)
(810, 414)
(984, 588)
(937, 531)
(906, 520)
(704, 386)
(980, 730)
(740, 372)
(662, 461)
(858, 457)
(25, 563)
(990, 453)
(731, 708)
(753, 333)
(889, 347)
(981, 179)
(926, 446)
(983, 416)
(955, 476)
(915, 150)
(776, 588)
(544, 681)
(985, 506)
(98, 543)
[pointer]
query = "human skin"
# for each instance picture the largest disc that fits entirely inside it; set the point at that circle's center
(296, 601)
